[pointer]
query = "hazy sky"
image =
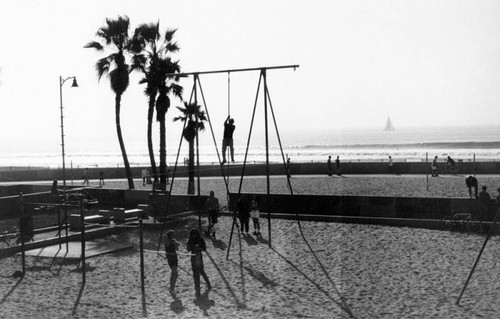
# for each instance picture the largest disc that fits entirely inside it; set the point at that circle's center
(419, 62)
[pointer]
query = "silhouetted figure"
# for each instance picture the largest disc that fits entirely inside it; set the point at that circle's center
(329, 164)
(101, 177)
(196, 245)
(450, 164)
(228, 139)
(484, 203)
(85, 177)
(471, 182)
(244, 213)
(434, 167)
(213, 213)
(171, 247)
(337, 164)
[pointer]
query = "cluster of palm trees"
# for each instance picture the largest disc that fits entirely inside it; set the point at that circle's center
(149, 52)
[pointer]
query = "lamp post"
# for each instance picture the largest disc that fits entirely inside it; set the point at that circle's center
(61, 82)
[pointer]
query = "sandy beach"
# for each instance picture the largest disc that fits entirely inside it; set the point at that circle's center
(334, 271)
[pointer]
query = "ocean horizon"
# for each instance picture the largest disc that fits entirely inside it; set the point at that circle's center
(414, 144)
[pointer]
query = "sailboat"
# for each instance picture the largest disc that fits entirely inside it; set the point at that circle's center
(388, 125)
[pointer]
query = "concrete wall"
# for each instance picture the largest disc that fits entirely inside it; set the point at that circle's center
(252, 169)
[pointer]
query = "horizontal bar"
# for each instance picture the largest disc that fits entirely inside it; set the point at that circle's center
(235, 70)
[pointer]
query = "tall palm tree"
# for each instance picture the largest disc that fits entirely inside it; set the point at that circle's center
(150, 56)
(114, 36)
(195, 122)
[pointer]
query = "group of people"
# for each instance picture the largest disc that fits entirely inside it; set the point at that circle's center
(330, 166)
(85, 177)
(196, 244)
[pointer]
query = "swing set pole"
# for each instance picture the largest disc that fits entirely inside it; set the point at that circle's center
(490, 231)
(267, 155)
(294, 66)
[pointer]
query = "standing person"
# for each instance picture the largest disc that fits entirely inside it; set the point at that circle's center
(254, 213)
(391, 165)
(329, 164)
(288, 166)
(337, 164)
(484, 203)
(213, 213)
(434, 167)
(228, 138)
(196, 245)
(498, 197)
(243, 214)
(85, 177)
(171, 247)
(450, 165)
(101, 177)
(471, 182)
(143, 175)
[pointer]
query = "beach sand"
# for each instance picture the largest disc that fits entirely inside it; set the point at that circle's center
(341, 271)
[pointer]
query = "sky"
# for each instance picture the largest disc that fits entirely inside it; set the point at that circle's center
(423, 63)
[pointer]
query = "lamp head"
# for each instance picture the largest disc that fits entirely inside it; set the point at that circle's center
(74, 85)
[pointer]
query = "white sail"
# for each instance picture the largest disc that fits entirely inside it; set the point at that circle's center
(388, 125)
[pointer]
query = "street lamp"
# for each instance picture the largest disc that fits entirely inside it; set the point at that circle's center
(74, 85)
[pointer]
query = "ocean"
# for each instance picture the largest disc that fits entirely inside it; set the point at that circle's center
(373, 144)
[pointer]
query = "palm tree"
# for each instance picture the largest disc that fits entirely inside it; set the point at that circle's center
(195, 118)
(114, 36)
(151, 54)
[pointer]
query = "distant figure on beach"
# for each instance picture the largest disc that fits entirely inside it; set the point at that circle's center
(329, 164)
(196, 245)
(243, 214)
(171, 247)
(85, 177)
(144, 174)
(337, 164)
(213, 213)
(450, 164)
(434, 167)
(391, 165)
(484, 203)
(288, 166)
(101, 177)
(228, 138)
(254, 213)
(471, 182)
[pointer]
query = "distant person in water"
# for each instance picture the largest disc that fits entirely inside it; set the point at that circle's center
(471, 182)
(227, 141)
(337, 164)
(434, 167)
(85, 177)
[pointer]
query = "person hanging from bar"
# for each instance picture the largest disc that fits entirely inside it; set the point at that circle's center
(228, 138)
(171, 247)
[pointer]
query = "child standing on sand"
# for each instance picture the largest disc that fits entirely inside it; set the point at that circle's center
(254, 213)
(171, 247)
(196, 245)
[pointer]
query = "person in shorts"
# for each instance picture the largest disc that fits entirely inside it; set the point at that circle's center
(227, 141)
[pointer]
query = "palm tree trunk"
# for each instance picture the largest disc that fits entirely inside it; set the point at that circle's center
(154, 170)
(191, 168)
(128, 171)
(163, 154)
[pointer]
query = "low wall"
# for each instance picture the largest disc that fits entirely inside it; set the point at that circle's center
(253, 169)
(391, 207)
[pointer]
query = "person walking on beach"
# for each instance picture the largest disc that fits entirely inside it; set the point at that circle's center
(288, 167)
(337, 164)
(243, 214)
(254, 213)
(434, 167)
(391, 165)
(484, 203)
(101, 177)
(228, 138)
(213, 213)
(196, 245)
(471, 182)
(171, 247)
(85, 177)
(143, 175)
(329, 164)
